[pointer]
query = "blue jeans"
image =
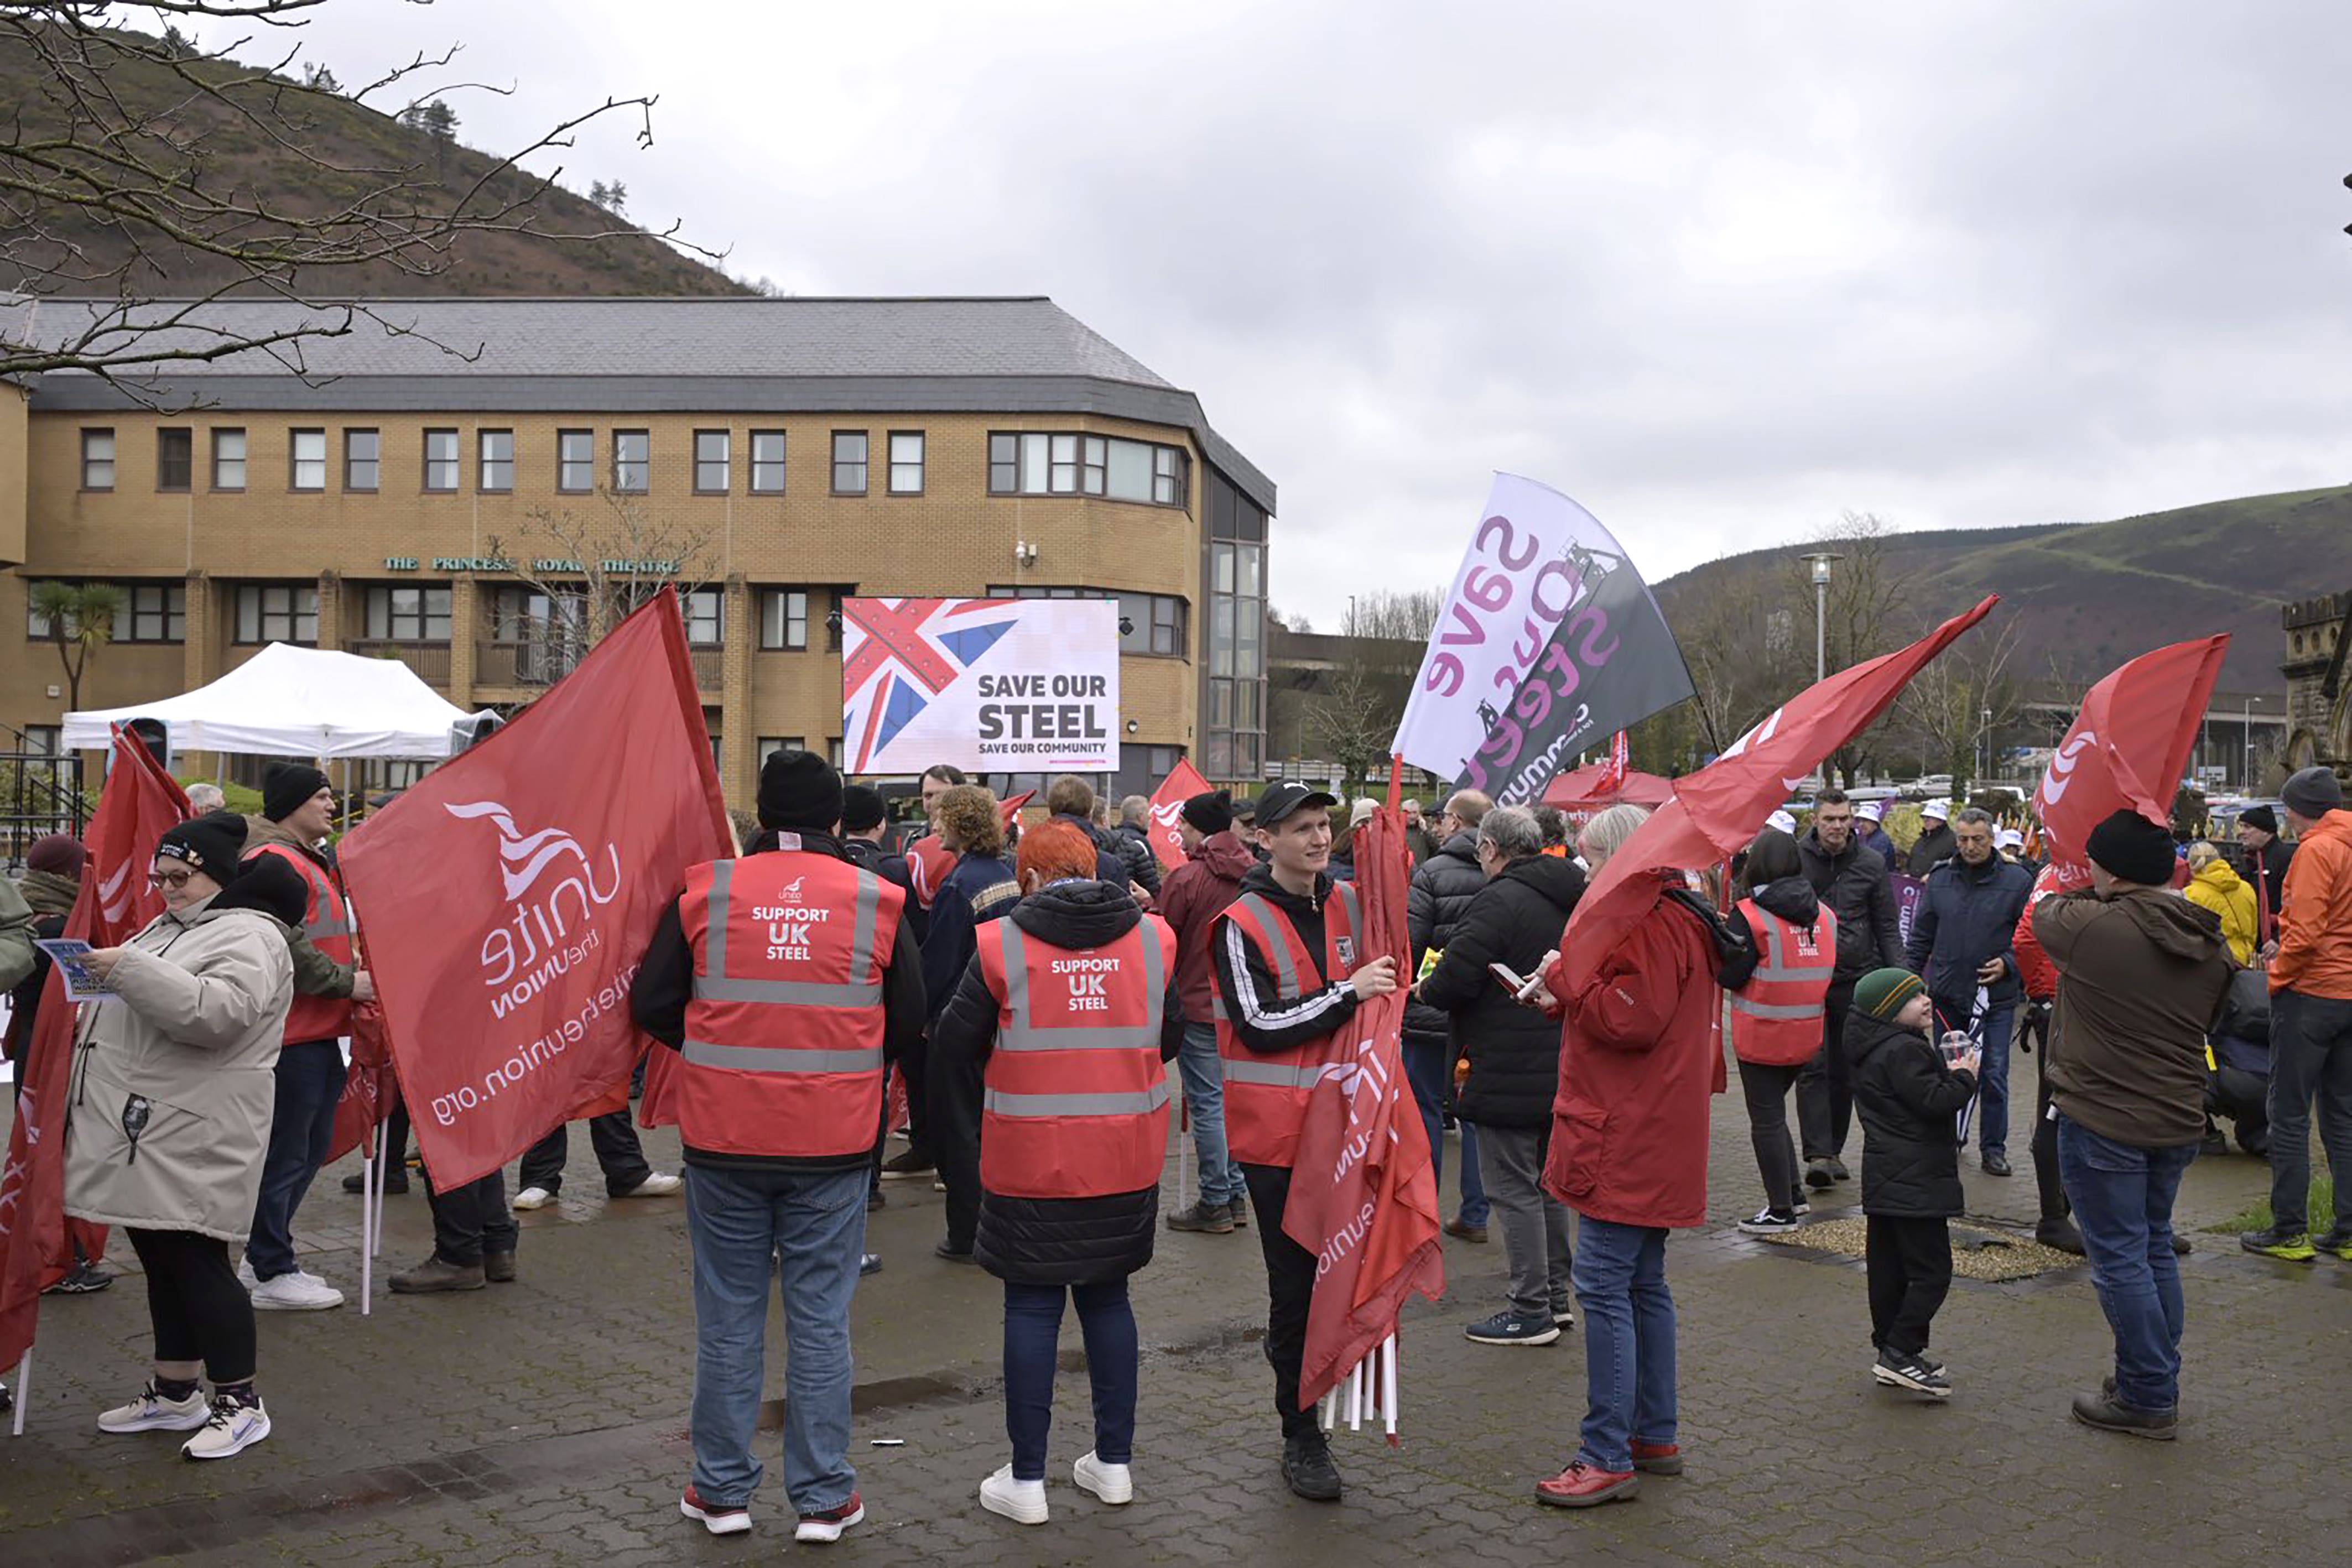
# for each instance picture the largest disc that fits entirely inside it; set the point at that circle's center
(301, 1124)
(1033, 1332)
(744, 1224)
(1204, 1099)
(1424, 1068)
(2123, 1198)
(2311, 1059)
(1619, 1274)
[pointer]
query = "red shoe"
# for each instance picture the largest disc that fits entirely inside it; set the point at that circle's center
(717, 1519)
(1581, 1486)
(828, 1525)
(1658, 1459)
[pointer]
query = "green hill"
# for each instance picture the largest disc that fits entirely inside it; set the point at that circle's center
(227, 141)
(2095, 594)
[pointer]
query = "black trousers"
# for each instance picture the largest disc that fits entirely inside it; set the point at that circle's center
(618, 1151)
(1825, 1095)
(1290, 1286)
(2048, 1188)
(470, 1220)
(1766, 1091)
(1910, 1264)
(199, 1309)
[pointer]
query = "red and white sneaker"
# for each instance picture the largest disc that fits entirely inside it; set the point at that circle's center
(1582, 1486)
(829, 1525)
(718, 1520)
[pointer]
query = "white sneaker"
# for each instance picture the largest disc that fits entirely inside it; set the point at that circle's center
(1114, 1484)
(231, 1428)
(296, 1292)
(1022, 1502)
(532, 1198)
(245, 1274)
(659, 1184)
(151, 1412)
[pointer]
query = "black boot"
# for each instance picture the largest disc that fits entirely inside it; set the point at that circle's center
(1307, 1466)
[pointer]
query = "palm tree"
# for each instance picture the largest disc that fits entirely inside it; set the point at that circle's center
(80, 619)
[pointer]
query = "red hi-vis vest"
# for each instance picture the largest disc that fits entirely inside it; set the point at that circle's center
(1076, 1096)
(1775, 1018)
(327, 922)
(782, 1054)
(1267, 1093)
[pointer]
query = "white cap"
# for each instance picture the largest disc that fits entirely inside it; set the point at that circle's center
(1869, 812)
(1939, 809)
(1782, 820)
(2009, 839)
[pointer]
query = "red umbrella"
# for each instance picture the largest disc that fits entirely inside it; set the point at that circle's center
(1587, 789)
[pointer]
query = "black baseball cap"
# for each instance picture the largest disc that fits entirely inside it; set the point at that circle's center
(1282, 799)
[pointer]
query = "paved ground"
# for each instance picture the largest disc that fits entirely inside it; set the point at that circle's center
(544, 1422)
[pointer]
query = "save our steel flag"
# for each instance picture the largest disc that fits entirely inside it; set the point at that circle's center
(139, 805)
(1363, 1193)
(2127, 749)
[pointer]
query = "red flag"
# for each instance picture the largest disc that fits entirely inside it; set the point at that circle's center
(1183, 782)
(1715, 811)
(140, 802)
(2125, 750)
(1619, 763)
(510, 895)
(368, 1088)
(1363, 1192)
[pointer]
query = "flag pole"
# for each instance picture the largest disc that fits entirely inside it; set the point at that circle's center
(24, 1383)
(369, 1152)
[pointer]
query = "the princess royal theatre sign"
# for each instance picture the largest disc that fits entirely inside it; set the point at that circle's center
(494, 563)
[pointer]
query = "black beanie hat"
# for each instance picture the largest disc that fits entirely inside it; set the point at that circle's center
(210, 844)
(1212, 810)
(2129, 846)
(286, 785)
(861, 809)
(2259, 817)
(798, 789)
(267, 883)
(2313, 792)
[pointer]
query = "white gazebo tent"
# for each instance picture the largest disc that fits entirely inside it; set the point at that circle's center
(297, 702)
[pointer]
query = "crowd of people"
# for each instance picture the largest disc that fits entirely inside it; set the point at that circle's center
(1030, 987)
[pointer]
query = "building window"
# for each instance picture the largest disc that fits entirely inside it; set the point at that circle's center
(363, 460)
(1029, 463)
(849, 462)
(228, 459)
(772, 744)
(307, 457)
(767, 462)
(408, 613)
(441, 460)
(906, 463)
(97, 460)
(704, 617)
(1148, 622)
(633, 461)
(575, 461)
(277, 613)
(497, 450)
(783, 619)
(152, 612)
(833, 751)
(176, 458)
(44, 739)
(710, 462)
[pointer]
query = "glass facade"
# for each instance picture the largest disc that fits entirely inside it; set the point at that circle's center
(1233, 698)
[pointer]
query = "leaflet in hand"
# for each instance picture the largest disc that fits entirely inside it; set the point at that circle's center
(71, 956)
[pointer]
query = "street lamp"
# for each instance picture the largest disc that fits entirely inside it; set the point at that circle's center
(1821, 562)
(1984, 766)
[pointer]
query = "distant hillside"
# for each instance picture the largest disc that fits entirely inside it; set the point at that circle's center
(2095, 594)
(351, 135)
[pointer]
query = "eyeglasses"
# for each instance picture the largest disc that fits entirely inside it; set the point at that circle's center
(171, 879)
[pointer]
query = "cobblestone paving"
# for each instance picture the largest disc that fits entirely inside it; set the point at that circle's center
(544, 1422)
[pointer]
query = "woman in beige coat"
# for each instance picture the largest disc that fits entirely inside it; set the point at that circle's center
(170, 1113)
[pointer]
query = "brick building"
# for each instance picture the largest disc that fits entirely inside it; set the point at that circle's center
(2319, 705)
(400, 494)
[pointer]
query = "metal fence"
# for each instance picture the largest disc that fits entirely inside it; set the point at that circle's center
(40, 793)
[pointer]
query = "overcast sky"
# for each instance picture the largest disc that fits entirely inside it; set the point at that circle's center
(1718, 271)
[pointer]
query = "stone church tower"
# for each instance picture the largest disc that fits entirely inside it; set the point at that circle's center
(2319, 694)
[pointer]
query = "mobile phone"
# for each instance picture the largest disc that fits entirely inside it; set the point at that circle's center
(1508, 979)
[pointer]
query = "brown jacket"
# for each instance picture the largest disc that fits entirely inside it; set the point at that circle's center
(2142, 975)
(2314, 951)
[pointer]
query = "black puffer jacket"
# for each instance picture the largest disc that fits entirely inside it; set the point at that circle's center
(1443, 887)
(1142, 862)
(1034, 1240)
(1854, 884)
(1932, 849)
(1514, 1050)
(1906, 1099)
(1111, 860)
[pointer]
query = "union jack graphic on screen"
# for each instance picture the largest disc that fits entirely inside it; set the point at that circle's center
(898, 654)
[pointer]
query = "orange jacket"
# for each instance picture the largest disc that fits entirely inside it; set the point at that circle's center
(2315, 934)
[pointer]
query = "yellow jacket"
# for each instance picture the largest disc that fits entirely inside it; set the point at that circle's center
(2226, 893)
